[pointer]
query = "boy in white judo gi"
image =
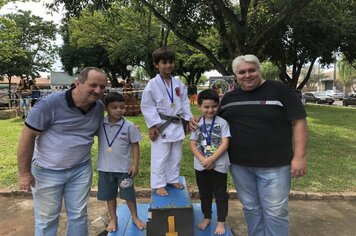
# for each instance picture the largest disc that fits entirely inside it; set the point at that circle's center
(166, 108)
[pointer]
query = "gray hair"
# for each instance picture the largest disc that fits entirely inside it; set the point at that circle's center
(249, 58)
(83, 75)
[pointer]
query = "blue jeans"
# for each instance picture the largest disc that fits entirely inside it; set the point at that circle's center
(24, 106)
(264, 194)
(51, 186)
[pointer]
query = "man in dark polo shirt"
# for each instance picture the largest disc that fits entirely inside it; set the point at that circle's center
(54, 153)
(267, 146)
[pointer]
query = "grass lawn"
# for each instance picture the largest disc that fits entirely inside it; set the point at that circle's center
(331, 152)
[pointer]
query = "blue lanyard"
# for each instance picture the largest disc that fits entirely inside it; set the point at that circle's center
(208, 134)
(170, 95)
(117, 133)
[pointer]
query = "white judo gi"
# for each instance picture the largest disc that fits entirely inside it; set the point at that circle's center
(166, 150)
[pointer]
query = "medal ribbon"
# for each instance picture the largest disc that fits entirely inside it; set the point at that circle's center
(170, 95)
(117, 133)
(208, 134)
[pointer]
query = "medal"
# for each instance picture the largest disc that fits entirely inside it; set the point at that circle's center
(169, 93)
(109, 149)
(208, 133)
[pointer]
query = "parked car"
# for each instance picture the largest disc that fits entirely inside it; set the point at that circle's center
(336, 94)
(349, 99)
(318, 97)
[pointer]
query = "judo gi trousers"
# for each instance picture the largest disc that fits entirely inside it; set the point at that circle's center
(165, 162)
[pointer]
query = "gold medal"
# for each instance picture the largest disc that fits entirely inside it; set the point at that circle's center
(208, 148)
(173, 105)
(109, 149)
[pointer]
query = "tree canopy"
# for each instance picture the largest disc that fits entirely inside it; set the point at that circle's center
(26, 45)
(288, 32)
(129, 39)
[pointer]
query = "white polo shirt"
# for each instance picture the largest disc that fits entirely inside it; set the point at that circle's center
(118, 159)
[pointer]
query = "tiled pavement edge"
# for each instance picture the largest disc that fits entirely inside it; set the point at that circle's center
(146, 193)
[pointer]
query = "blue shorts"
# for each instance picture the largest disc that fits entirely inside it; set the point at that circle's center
(108, 185)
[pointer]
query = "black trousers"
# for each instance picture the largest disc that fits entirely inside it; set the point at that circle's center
(213, 183)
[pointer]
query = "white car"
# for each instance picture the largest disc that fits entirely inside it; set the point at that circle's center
(336, 94)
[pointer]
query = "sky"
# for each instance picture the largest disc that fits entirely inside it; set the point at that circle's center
(38, 9)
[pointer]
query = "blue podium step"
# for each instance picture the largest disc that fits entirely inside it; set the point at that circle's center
(127, 228)
(155, 214)
(177, 198)
(178, 205)
(125, 225)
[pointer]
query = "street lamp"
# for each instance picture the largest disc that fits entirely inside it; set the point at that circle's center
(129, 67)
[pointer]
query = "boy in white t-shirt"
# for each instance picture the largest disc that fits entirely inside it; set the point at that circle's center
(209, 143)
(118, 141)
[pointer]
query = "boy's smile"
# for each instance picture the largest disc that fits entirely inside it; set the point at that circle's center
(209, 108)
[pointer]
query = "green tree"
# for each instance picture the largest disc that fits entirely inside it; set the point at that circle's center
(74, 58)
(132, 43)
(347, 72)
(10, 51)
(25, 45)
(348, 46)
(36, 39)
(288, 32)
(315, 33)
(242, 27)
(269, 70)
(128, 38)
(190, 63)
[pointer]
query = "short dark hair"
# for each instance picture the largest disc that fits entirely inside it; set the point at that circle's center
(208, 94)
(164, 53)
(113, 97)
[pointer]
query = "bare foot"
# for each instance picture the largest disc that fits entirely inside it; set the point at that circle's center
(162, 192)
(112, 225)
(220, 228)
(178, 185)
(203, 224)
(139, 224)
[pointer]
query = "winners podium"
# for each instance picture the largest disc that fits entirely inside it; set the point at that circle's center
(172, 215)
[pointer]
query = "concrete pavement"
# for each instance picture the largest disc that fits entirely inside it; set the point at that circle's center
(307, 217)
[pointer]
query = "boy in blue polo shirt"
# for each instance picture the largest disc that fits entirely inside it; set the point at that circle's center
(118, 139)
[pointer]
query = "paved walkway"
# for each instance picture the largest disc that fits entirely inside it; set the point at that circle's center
(307, 217)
